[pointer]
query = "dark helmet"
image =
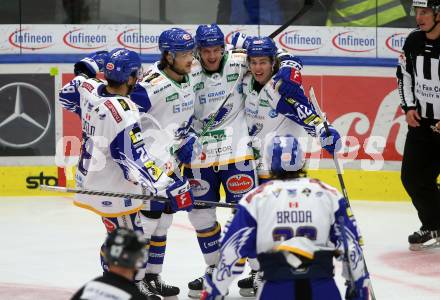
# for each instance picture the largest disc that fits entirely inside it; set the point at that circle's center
(126, 248)
(434, 4)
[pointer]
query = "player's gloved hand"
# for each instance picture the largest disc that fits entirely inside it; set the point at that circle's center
(210, 291)
(91, 64)
(288, 60)
(287, 82)
(358, 291)
(240, 40)
(331, 140)
(180, 195)
(188, 149)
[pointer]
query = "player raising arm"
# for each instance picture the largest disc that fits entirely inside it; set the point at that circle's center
(295, 225)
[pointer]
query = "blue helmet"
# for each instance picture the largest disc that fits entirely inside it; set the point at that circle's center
(262, 47)
(283, 154)
(176, 40)
(125, 248)
(121, 64)
(209, 35)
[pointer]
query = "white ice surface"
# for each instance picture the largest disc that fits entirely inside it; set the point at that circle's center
(49, 248)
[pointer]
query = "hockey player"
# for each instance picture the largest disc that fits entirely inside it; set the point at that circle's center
(418, 80)
(165, 97)
(114, 156)
(296, 225)
(274, 97)
(226, 157)
(124, 250)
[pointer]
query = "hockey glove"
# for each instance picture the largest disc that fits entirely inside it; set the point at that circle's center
(287, 82)
(289, 60)
(210, 291)
(240, 40)
(180, 195)
(359, 291)
(331, 140)
(91, 64)
(188, 149)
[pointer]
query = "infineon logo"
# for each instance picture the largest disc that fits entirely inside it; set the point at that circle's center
(25, 39)
(80, 39)
(132, 39)
(297, 40)
(348, 42)
(395, 42)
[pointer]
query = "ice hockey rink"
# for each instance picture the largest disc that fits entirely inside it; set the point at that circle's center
(49, 248)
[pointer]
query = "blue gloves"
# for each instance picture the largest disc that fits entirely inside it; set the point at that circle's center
(180, 195)
(210, 291)
(240, 40)
(189, 148)
(288, 84)
(331, 140)
(289, 60)
(91, 64)
(359, 291)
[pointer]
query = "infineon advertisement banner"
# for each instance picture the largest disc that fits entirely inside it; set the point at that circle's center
(302, 40)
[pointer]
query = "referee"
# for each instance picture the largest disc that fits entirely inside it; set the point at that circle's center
(418, 75)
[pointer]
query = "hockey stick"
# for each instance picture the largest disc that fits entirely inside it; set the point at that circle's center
(335, 159)
(128, 195)
(307, 5)
(315, 104)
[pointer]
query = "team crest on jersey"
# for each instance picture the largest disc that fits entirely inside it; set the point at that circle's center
(231, 254)
(306, 192)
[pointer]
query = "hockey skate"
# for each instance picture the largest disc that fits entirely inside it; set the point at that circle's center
(156, 285)
(149, 295)
(249, 285)
(196, 286)
(424, 239)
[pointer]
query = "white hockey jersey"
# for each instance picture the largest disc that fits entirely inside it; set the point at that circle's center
(282, 209)
(227, 139)
(264, 120)
(113, 154)
(167, 111)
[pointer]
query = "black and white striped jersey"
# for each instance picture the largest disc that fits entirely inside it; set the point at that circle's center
(418, 75)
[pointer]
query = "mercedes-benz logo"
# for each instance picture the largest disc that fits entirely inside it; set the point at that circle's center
(24, 138)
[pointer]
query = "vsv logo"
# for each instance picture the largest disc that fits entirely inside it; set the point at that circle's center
(133, 39)
(26, 39)
(396, 41)
(348, 41)
(300, 41)
(80, 39)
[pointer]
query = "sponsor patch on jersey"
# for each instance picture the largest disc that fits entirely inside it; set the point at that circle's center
(149, 78)
(232, 77)
(172, 97)
(113, 110)
(291, 192)
(258, 190)
(124, 104)
(136, 137)
(199, 187)
(109, 225)
(198, 86)
(87, 86)
(264, 103)
(153, 170)
(239, 184)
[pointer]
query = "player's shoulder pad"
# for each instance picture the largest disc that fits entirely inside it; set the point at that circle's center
(324, 186)
(90, 85)
(122, 109)
(256, 193)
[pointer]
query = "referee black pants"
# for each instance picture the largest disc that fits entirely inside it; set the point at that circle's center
(420, 169)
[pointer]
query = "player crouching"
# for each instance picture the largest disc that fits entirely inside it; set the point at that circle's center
(295, 225)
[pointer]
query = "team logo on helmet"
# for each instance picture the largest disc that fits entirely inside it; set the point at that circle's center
(110, 66)
(186, 37)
